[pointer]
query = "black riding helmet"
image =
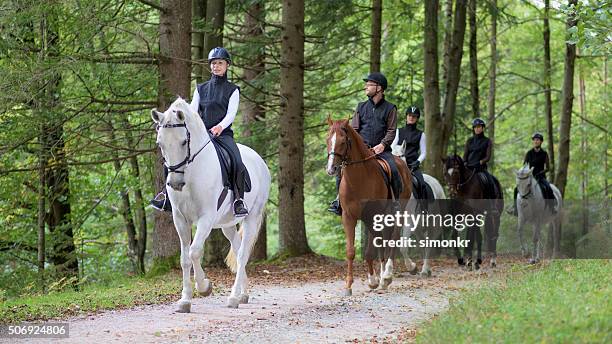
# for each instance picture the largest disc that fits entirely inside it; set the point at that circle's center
(378, 78)
(219, 53)
(537, 136)
(414, 111)
(478, 121)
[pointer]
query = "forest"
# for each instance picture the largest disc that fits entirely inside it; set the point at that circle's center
(79, 78)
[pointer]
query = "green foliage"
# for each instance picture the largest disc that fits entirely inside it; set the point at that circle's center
(566, 301)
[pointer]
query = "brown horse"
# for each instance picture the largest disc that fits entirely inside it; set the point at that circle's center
(465, 184)
(361, 181)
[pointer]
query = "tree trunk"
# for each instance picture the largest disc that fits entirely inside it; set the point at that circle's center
(547, 90)
(453, 74)
(492, 79)
(566, 108)
(448, 36)
(584, 187)
(433, 125)
(215, 16)
(42, 159)
(174, 79)
(474, 59)
(376, 34)
(253, 110)
(198, 54)
(64, 255)
(292, 229)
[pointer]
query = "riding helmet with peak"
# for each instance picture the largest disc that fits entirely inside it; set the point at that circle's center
(478, 121)
(413, 111)
(378, 78)
(538, 136)
(219, 53)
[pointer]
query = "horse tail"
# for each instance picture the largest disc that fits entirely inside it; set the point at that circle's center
(231, 260)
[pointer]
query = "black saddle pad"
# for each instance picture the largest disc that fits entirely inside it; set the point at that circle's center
(226, 167)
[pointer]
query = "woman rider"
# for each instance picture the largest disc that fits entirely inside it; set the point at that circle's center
(216, 101)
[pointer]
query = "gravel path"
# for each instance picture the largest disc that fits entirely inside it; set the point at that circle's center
(310, 312)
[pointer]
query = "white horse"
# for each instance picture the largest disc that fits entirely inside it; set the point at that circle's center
(194, 184)
(438, 192)
(532, 208)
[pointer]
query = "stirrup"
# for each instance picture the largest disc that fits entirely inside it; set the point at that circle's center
(243, 212)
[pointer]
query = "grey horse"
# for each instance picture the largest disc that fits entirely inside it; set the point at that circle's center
(532, 209)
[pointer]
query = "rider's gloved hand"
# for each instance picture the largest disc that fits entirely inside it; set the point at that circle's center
(415, 164)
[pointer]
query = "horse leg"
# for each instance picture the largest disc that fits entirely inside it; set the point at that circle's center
(471, 235)
(493, 241)
(249, 235)
(349, 232)
(389, 255)
(535, 257)
(196, 251)
(426, 269)
(410, 265)
(184, 231)
(372, 279)
(460, 260)
(479, 244)
(519, 227)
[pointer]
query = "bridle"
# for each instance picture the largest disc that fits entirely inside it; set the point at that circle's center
(525, 196)
(457, 186)
(344, 157)
(188, 158)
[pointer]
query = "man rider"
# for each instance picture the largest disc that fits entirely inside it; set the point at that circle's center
(375, 120)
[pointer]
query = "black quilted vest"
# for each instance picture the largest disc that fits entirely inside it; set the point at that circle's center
(412, 136)
(477, 149)
(373, 121)
(214, 100)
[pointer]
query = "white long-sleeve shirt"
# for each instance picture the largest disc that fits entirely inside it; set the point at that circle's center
(232, 107)
(422, 145)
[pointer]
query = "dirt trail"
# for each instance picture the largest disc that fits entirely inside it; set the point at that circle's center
(295, 312)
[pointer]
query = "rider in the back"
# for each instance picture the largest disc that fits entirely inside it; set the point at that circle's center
(216, 101)
(416, 151)
(478, 152)
(477, 148)
(375, 120)
(537, 158)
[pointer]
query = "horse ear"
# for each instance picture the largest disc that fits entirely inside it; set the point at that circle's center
(156, 116)
(180, 115)
(531, 170)
(404, 144)
(329, 120)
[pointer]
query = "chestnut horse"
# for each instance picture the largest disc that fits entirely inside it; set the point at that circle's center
(361, 181)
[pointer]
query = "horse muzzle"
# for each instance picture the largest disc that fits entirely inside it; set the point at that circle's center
(178, 186)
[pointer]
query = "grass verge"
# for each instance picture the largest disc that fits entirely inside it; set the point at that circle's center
(566, 301)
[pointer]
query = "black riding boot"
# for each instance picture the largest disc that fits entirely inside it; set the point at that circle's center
(162, 203)
(513, 210)
(335, 207)
(240, 208)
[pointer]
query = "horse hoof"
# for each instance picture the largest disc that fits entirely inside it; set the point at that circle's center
(244, 298)
(233, 302)
(426, 273)
(347, 292)
(385, 283)
(493, 264)
(414, 270)
(372, 286)
(183, 307)
(533, 261)
(204, 289)
(460, 261)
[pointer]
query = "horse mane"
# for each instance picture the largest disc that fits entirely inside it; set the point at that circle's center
(353, 135)
(181, 104)
(454, 158)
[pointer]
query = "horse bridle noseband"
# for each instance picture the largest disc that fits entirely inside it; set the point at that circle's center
(188, 159)
(457, 186)
(345, 162)
(525, 196)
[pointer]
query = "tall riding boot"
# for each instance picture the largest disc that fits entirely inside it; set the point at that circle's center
(335, 207)
(240, 208)
(513, 210)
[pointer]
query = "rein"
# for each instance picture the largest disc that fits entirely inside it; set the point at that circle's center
(345, 162)
(188, 158)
